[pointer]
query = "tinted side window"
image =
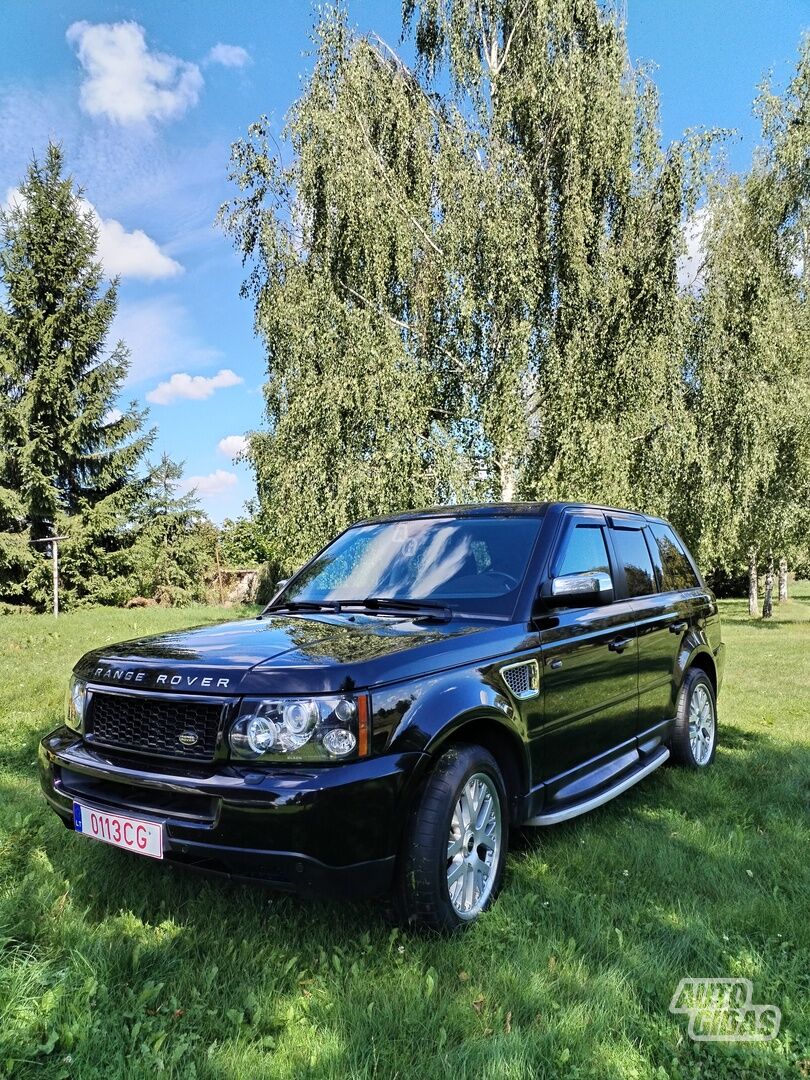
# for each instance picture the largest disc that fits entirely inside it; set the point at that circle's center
(632, 553)
(585, 551)
(676, 570)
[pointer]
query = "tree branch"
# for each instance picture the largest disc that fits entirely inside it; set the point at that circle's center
(398, 197)
(398, 322)
(508, 44)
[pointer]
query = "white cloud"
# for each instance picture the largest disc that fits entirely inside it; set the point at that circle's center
(125, 254)
(233, 445)
(690, 264)
(127, 82)
(131, 254)
(112, 416)
(192, 387)
(14, 200)
(161, 338)
(228, 55)
(215, 483)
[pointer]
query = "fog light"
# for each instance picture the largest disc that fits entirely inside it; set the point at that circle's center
(339, 742)
(261, 734)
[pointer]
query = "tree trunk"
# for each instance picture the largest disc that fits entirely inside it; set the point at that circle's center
(753, 596)
(507, 479)
(783, 581)
(767, 604)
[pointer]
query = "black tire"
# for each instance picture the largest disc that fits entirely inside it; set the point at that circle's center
(696, 687)
(422, 894)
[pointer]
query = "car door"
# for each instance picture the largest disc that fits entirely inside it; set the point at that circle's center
(664, 617)
(589, 672)
(657, 620)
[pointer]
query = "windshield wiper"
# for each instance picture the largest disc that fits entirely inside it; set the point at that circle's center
(305, 605)
(427, 608)
(420, 609)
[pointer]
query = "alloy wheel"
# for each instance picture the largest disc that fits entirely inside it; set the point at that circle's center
(474, 846)
(701, 725)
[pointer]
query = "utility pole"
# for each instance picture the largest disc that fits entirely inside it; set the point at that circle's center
(54, 542)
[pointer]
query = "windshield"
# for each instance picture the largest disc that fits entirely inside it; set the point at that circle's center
(471, 564)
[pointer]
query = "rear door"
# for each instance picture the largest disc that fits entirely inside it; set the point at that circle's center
(589, 670)
(657, 617)
(664, 619)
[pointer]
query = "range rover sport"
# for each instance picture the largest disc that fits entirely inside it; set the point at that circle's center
(425, 682)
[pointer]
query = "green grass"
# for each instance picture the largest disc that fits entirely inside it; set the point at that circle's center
(114, 967)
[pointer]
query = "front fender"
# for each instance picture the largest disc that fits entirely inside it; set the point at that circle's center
(423, 715)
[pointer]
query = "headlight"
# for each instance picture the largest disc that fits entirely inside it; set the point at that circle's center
(302, 729)
(76, 702)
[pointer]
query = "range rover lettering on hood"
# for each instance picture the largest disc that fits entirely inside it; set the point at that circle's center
(154, 678)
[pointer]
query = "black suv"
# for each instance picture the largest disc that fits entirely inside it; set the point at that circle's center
(426, 681)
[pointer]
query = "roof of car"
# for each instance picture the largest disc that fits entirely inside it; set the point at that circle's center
(499, 509)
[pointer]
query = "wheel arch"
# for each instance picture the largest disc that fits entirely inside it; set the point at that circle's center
(705, 662)
(502, 742)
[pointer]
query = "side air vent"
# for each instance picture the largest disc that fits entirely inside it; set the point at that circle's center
(523, 679)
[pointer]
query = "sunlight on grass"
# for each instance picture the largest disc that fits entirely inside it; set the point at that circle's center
(113, 968)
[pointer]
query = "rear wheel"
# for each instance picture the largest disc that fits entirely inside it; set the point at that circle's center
(694, 739)
(452, 863)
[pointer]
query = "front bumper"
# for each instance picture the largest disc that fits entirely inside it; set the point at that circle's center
(305, 830)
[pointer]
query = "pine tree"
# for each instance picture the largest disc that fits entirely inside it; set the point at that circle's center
(175, 539)
(68, 461)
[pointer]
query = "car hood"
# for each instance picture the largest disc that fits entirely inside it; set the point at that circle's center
(290, 654)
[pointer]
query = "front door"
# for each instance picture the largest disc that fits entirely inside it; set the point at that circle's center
(589, 675)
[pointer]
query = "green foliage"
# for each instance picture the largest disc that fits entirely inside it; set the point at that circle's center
(110, 966)
(750, 379)
(67, 462)
(243, 541)
(174, 540)
(466, 279)
(359, 411)
(564, 217)
(468, 294)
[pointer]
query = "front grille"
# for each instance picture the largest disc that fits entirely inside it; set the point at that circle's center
(154, 726)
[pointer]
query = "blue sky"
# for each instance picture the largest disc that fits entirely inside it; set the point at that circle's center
(154, 162)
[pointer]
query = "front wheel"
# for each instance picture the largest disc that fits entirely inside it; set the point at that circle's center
(452, 863)
(694, 738)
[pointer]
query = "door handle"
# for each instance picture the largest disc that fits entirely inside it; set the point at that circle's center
(619, 644)
(678, 627)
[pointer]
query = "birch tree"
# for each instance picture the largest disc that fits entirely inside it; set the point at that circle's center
(466, 292)
(750, 381)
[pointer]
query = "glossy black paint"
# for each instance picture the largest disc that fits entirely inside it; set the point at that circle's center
(610, 676)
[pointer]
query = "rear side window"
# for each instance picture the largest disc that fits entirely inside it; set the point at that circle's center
(631, 550)
(676, 570)
(584, 552)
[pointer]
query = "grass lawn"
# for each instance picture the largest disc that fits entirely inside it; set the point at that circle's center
(113, 967)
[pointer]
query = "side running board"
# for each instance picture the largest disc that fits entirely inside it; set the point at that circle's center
(554, 817)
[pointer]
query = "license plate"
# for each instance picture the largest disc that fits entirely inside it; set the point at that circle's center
(131, 834)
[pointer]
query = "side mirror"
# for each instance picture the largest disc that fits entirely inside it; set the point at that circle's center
(581, 590)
